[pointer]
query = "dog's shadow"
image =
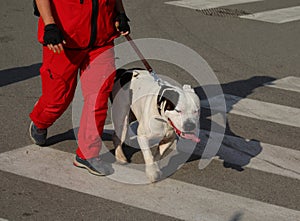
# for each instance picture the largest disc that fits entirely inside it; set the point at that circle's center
(235, 151)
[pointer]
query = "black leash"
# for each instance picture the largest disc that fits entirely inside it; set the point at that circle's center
(145, 62)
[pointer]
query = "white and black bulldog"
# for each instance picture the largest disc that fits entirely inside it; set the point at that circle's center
(163, 112)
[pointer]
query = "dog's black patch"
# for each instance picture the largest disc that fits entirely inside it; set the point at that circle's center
(123, 76)
(167, 93)
(122, 79)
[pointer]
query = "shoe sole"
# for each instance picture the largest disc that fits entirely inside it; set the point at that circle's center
(31, 137)
(80, 165)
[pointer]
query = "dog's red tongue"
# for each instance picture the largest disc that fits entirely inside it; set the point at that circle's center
(192, 137)
(188, 136)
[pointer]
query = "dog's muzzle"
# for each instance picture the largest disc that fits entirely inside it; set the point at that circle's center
(189, 135)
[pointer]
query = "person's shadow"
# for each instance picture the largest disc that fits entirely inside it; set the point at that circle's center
(13, 75)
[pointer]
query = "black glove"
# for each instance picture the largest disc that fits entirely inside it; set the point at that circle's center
(123, 22)
(52, 35)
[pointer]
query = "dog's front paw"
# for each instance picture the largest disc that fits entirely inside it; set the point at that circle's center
(153, 172)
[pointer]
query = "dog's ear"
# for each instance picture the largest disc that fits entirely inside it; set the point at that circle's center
(169, 95)
(188, 88)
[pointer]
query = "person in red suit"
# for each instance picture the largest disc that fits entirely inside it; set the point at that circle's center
(77, 35)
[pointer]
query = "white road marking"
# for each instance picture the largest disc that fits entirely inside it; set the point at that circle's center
(1, 219)
(278, 16)
(260, 156)
(259, 110)
(189, 202)
(206, 4)
(290, 83)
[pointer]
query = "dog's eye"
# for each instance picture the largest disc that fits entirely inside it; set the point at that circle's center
(178, 111)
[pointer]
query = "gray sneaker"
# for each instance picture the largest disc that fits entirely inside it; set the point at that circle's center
(38, 136)
(94, 166)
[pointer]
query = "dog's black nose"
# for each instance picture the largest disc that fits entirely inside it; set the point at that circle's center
(189, 126)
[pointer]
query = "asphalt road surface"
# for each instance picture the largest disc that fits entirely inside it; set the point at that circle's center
(253, 49)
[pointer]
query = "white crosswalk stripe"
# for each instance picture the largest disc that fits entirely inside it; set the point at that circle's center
(259, 110)
(189, 202)
(290, 83)
(278, 16)
(206, 4)
(260, 156)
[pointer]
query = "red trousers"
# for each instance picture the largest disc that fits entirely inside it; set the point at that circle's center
(59, 74)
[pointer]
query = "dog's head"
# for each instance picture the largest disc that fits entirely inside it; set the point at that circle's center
(181, 106)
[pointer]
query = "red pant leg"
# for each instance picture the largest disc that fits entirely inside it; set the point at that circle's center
(59, 79)
(96, 81)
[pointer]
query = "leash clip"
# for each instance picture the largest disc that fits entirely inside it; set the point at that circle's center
(155, 76)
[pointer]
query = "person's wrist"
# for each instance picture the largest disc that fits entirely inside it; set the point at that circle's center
(48, 21)
(50, 27)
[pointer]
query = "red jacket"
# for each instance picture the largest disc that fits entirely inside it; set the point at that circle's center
(84, 23)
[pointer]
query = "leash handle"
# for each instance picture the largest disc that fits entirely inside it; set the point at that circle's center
(139, 53)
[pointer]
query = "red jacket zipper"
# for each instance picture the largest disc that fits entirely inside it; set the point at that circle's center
(95, 9)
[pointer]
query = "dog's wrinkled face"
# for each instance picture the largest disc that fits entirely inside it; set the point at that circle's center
(182, 108)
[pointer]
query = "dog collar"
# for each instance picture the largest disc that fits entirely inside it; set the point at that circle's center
(177, 131)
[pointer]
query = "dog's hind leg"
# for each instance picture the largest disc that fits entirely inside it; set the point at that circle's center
(118, 140)
(120, 156)
(120, 112)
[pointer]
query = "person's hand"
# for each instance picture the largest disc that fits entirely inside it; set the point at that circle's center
(122, 24)
(53, 38)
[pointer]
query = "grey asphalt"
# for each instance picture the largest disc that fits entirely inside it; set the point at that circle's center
(244, 54)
